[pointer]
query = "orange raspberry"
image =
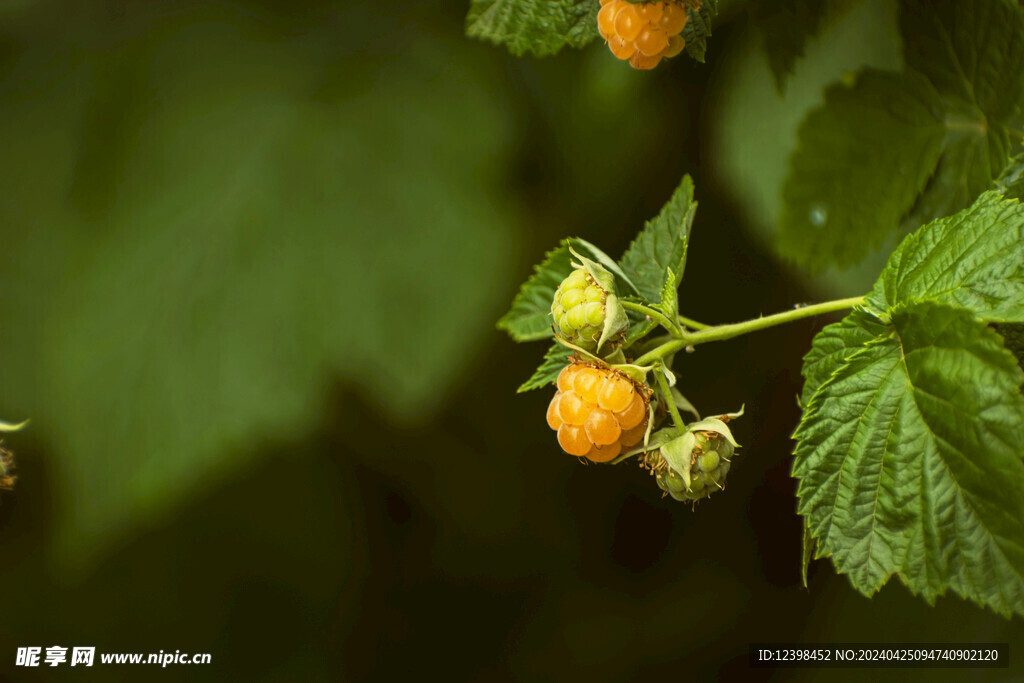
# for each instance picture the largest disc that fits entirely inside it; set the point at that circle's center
(644, 33)
(675, 46)
(616, 394)
(602, 428)
(628, 23)
(573, 440)
(633, 415)
(554, 421)
(651, 41)
(572, 409)
(632, 437)
(597, 412)
(565, 377)
(673, 19)
(606, 453)
(622, 49)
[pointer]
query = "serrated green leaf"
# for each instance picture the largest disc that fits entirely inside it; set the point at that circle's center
(973, 52)
(529, 318)
(556, 358)
(540, 27)
(971, 260)
(860, 163)
(834, 345)
(669, 304)
(787, 26)
(911, 153)
(698, 29)
(237, 244)
(910, 460)
(809, 545)
(661, 246)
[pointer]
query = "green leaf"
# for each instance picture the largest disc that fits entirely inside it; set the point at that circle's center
(809, 546)
(787, 26)
(669, 297)
(698, 29)
(530, 316)
(540, 27)
(972, 52)
(661, 246)
(860, 163)
(923, 145)
(257, 227)
(556, 358)
(971, 260)
(834, 345)
(910, 461)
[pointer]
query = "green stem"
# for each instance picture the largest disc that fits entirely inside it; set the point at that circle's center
(693, 324)
(666, 394)
(722, 332)
(672, 327)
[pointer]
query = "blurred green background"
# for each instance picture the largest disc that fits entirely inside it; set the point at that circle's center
(252, 255)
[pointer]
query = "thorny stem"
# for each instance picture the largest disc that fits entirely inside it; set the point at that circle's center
(672, 327)
(722, 332)
(666, 394)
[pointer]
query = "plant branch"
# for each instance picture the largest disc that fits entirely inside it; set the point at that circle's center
(672, 327)
(670, 403)
(693, 324)
(723, 332)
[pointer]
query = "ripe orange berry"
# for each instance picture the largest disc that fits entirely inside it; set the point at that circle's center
(675, 46)
(587, 383)
(651, 12)
(632, 437)
(554, 421)
(673, 19)
(628, 23)
(621, 48)
(605, 453)
(644, 33)
(633, 415)
(602, 428)
(606, 19)
(616, 394)
(642, 62)
(572, 409)
(597, 412)
(573, 440)
(565, 377)
(651, 41)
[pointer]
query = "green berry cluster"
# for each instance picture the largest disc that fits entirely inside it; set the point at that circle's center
(578, 309)
(710, 461)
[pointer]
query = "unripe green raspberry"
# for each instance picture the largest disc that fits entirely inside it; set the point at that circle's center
(709, 463)
(578, 310)
(585, 311)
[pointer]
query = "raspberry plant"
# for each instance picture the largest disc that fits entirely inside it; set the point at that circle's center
(909, 455)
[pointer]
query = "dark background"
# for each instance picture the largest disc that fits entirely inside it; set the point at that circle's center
(433, 530)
